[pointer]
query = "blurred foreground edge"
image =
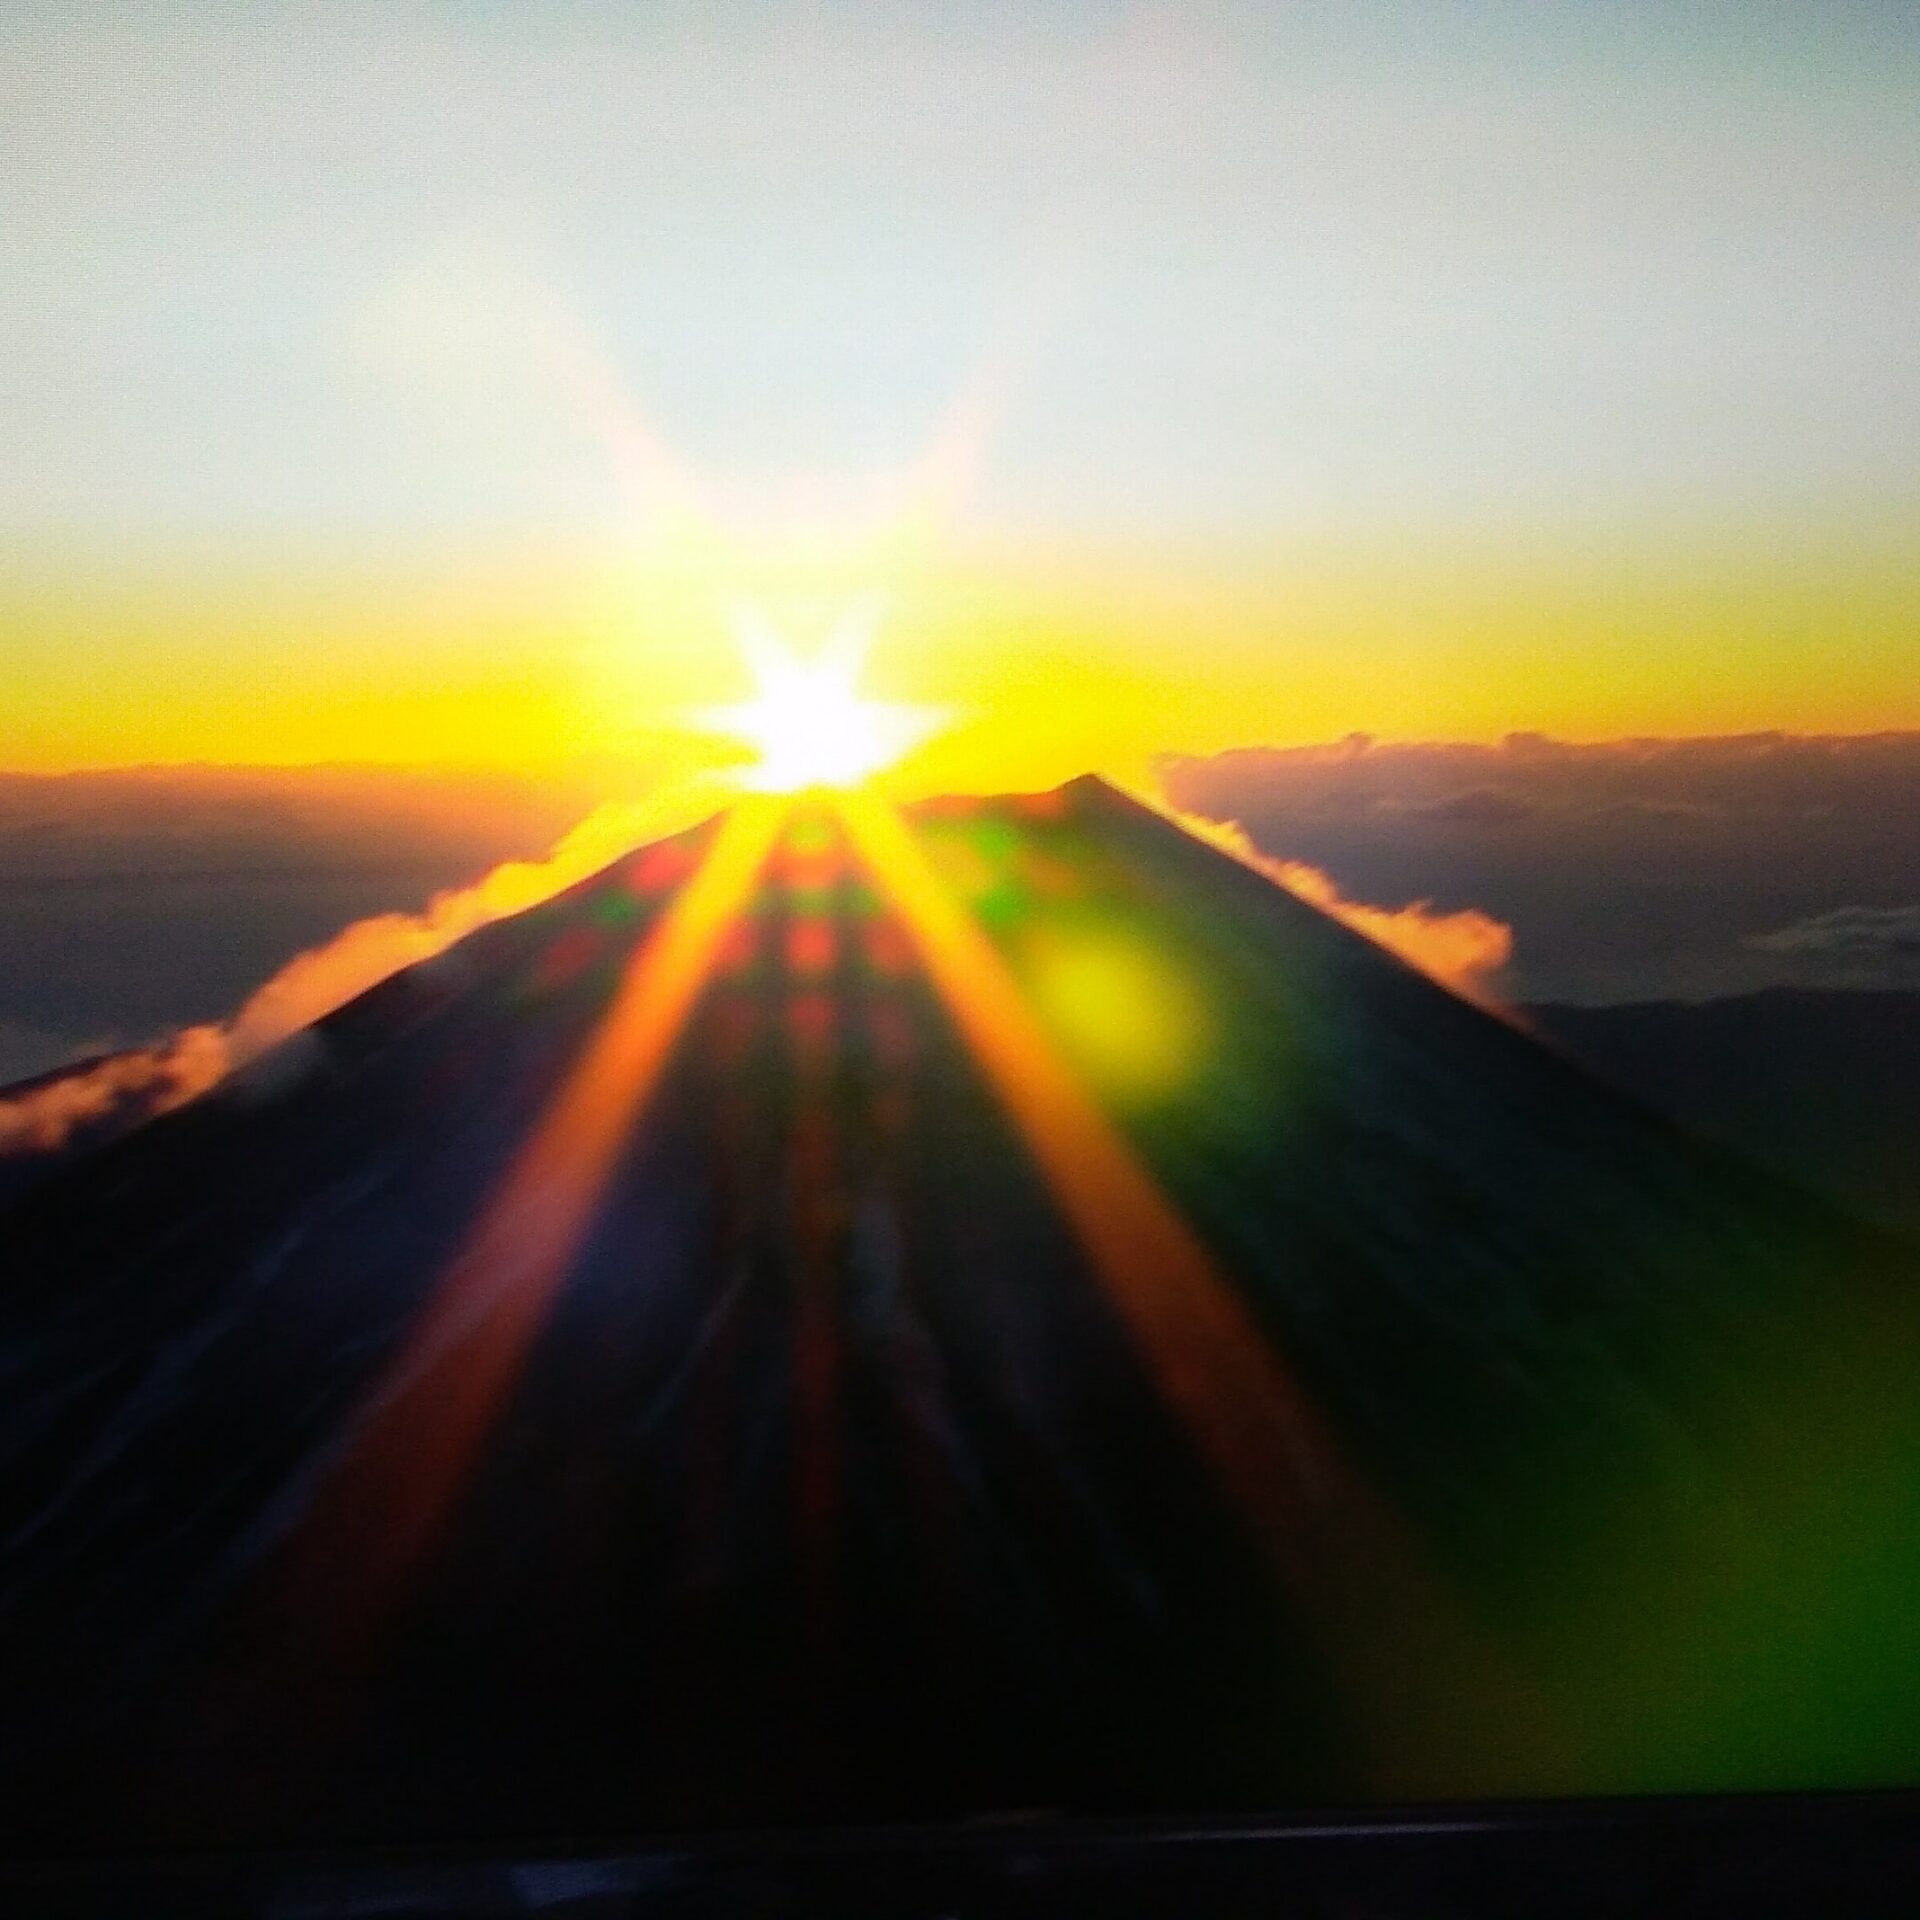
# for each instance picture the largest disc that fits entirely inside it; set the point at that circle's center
(1852, 1854)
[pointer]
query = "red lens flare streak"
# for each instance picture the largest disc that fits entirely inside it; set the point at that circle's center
(379, 1517)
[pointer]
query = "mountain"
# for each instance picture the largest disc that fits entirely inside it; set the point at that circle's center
(1011, 1312)
(1822, 1085)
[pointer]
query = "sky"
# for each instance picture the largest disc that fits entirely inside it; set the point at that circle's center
(422, 385)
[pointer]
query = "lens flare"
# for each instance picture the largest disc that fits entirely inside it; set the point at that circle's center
(1131, 1020)
(808, 724)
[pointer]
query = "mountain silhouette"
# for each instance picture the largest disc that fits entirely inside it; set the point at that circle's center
(1285, 1383)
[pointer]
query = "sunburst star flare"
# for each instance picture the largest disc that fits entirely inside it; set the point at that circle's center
(808, 723)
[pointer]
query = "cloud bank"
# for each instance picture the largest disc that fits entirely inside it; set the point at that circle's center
(1626, 870)
(140, 1084)
(1850, 947)
(1464, 950)
(1530, 775)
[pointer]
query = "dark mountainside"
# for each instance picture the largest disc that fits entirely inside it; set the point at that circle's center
(1823, 1086)
(834, 1482)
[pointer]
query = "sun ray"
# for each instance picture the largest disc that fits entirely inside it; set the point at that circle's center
(1210, 1360)
(379, 1516)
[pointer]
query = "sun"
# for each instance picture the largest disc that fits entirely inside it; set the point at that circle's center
(808, 723)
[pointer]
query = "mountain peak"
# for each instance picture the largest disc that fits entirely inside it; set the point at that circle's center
(1028, 1314)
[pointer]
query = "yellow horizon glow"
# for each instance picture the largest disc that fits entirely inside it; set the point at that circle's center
(1054, 661)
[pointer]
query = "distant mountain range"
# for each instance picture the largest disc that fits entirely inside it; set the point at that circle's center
(1061, 1324)
(1823, 1086)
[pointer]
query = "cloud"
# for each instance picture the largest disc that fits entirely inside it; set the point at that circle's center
(127, 1088)
(1730, 776)
(1630, 869)
(1850, 946)
(123, 1087)
(1464, 951)
(1481, 807)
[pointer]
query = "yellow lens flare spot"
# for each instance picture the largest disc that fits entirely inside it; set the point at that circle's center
(1131, 1019)
(808, 724)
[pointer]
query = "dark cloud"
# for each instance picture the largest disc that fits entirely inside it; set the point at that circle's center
(1627, 869)
(1771, 774)
(1850, 946)
(1481, 807)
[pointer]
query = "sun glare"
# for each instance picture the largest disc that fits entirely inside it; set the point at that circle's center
(808, 724)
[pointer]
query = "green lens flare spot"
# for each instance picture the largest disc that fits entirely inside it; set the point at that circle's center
(1132, 1019)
